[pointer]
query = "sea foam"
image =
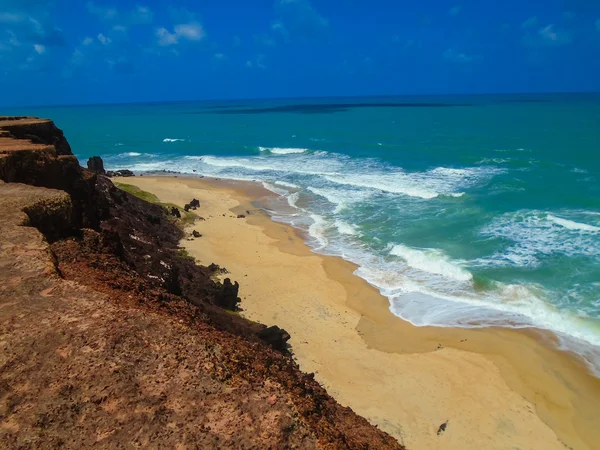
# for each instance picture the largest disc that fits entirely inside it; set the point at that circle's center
(282, 151)
(432, 261)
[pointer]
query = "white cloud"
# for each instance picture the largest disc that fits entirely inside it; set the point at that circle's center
(554, 37)
(458, 57)
(104, 40)
(299, 17)
(190, 31)
(103, 12)
(185, 31)
(40, 49)
(12, 18)
(455, 10)
(220, 56)
(77, 57)
(142, 15)
(258, 62)
(530, 23)
(87, 41)
(165, 38)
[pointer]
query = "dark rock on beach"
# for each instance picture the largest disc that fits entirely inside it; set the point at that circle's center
(175, 212)
(227, 297)
(275, 337)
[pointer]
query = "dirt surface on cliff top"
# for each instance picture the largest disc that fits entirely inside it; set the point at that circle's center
(98, 350)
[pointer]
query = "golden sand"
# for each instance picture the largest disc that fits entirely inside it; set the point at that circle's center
(495, 388)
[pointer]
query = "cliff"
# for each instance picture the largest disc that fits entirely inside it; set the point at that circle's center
(112, 338)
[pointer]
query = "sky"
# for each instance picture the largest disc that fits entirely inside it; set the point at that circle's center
(56, 52)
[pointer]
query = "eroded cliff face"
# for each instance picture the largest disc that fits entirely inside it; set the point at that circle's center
(35, 152)
(110, 338)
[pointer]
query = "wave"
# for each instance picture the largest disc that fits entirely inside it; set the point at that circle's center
(534, 234)
(341, 198)
(578, 170)
(572, 225)
(292, 199)
(432, 261)
(335, 198)
(286, 184)
(282, 151)
(396, 184)
(505, 305)
(346, 228)
(173, 140)
(318, 230)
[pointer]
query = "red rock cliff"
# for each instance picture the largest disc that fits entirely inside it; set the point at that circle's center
(110, 339)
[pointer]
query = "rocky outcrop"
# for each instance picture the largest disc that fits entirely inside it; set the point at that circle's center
(35, 152)
(96, 165)
(120, 173)
(112, 338)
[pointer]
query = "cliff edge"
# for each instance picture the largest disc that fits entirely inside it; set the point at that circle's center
(111, 338)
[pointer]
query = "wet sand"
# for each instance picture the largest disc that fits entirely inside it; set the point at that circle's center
(495, 388)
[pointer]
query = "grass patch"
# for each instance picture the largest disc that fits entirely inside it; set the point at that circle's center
(187, 218)
(183, 253)
(136, 191)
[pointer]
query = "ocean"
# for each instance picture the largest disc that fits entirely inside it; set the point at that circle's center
(463, 211)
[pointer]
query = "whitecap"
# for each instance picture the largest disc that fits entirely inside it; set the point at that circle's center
(346, 228)
(318, 230)
(173, 140)
(572, 225)
(534, 234)
(282, 151)
(432, 261)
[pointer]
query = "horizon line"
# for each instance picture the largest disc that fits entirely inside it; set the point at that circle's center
(255, 99)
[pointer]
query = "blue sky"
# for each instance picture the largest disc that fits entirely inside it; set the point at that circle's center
(71, 52)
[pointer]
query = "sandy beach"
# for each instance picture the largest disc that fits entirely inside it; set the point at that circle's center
(494, 388)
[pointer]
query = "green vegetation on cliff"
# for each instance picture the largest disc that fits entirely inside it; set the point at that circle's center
(187, 218)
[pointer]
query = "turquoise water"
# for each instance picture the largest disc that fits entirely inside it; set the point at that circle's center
(463, 211)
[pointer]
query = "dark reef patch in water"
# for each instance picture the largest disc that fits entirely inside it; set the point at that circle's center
(329, 108)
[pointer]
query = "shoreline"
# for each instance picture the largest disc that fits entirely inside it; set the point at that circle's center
(406, 379)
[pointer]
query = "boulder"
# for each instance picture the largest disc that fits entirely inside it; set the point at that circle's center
(195, 204)
(96, 165)
(175, 212)
(196, 234)
(124, 173)
(227, 297)
(275, 337)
